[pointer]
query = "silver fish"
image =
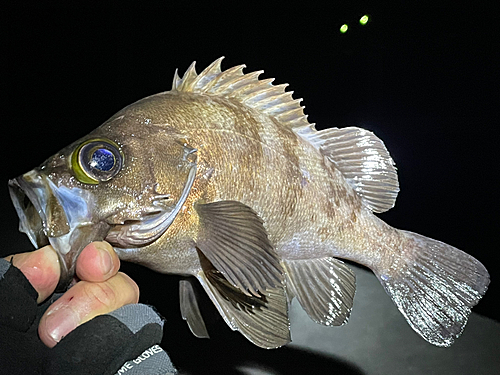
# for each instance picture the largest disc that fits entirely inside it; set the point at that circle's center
(224, 179)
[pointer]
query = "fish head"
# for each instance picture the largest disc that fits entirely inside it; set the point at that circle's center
(124, 182)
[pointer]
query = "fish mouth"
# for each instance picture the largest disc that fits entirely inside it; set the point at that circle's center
(56, 215)
(29, 212)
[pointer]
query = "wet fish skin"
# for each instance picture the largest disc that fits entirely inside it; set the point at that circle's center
(224, 179)
(129, 198)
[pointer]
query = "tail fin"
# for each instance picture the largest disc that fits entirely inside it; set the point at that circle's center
(435, 285)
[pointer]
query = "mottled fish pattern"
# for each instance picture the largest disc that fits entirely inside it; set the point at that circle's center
(223, 179)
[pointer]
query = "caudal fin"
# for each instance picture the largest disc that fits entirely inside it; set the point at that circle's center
(434, 285)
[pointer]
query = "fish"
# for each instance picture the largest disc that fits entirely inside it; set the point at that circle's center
(223, 181)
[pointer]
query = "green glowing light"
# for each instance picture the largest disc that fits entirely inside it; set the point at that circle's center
(364, 20)
(343, 28)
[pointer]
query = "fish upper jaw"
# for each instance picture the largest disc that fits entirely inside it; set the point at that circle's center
(57, 215)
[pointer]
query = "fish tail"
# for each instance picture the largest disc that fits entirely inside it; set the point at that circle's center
(434, 286)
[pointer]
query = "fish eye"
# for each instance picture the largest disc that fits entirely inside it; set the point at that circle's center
(96, 161)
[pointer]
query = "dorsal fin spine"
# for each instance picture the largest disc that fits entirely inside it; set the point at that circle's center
(254, 89)
(246, 88)
(188, 78)
(274, 97)
(241, 84)
(176, 80)
(301, 122)
(284, 111)
(225, 76)
(289, 115)
(305, 131)
(270, 97)
(218, 77)
(233, 87)
(207, 75)
(259, 91)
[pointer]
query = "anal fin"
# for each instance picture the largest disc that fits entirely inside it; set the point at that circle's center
(324, 288)
(190, 311)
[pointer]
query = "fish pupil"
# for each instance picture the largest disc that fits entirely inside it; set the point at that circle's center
(102, 159)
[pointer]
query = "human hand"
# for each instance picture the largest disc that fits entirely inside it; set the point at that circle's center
(101, 288)
(96, 327)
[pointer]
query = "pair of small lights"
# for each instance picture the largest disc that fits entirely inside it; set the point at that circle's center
(362, 21)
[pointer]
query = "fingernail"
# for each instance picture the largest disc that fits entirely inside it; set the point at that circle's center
(106, 260)
(61, 321)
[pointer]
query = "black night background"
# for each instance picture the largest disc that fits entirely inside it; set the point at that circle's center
(423, 78)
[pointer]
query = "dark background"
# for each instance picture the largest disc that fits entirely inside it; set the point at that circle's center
(424, 78)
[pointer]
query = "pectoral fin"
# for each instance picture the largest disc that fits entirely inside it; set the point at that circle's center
(324, 288)
(233, 238)
(190, 311)
(261, 319)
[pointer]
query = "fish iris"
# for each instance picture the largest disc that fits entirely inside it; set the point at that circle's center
(96, 161)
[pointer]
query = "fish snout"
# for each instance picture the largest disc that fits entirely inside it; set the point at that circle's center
(56, 215)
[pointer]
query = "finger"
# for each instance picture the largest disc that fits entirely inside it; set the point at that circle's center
(97, 262)
(41, 268)
(83, 302)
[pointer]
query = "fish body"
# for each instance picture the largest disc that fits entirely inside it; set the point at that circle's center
(308, 208)
(223, 178)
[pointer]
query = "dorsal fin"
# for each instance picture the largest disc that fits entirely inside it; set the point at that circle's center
(364, 161)
(246, 88)
(358, 154)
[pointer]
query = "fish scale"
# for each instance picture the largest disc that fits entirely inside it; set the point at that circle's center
(223, 180)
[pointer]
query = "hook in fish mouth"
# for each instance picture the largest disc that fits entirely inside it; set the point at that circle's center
(59, 216)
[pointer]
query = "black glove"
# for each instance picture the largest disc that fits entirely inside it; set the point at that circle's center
(100, 346)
